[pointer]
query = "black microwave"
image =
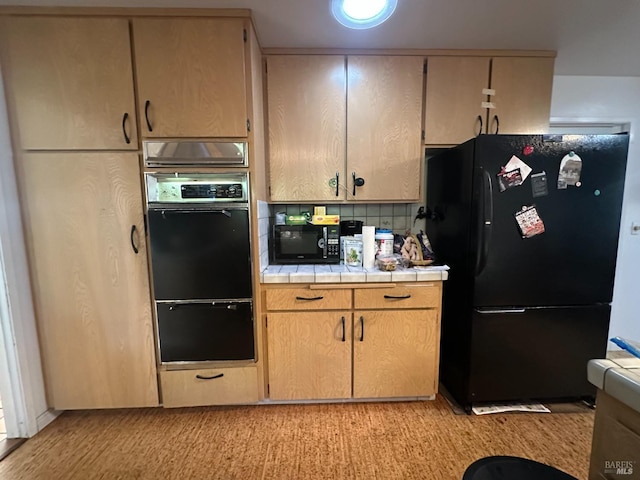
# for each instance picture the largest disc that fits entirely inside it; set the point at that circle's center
(305, 244)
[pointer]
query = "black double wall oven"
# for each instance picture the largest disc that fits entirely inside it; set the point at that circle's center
(199, 232)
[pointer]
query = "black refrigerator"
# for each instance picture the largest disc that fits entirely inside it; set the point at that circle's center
(529, 226)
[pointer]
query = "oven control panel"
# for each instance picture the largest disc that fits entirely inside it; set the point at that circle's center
(212, 190)
(197, 188)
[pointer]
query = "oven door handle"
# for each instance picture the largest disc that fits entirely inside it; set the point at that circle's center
(227, 212)
(225, 208)
(227, 305)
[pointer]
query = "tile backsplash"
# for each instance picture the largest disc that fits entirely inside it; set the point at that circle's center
(397, 217)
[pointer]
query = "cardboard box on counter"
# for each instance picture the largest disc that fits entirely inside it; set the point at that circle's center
(296, 220)
(325, 219)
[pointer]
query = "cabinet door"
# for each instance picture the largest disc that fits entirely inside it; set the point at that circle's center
(384, 127)
(395, 353)
(453, 99)
(522, 95)
(191, 77)
(309, 355)
(71, 82)
(91, 288)
(307, 125)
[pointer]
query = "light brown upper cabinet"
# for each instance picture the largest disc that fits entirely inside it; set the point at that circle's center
(467, 96)
(522, 95)
(333, 119)
(191, 76)
(71, 82)
(307, 124)
(384, 119)
(453, 99)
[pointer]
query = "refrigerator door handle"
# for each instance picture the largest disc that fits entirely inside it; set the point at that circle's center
(486, 217)
(500, 310)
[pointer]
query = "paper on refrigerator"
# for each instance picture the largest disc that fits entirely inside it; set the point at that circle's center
(514, 163)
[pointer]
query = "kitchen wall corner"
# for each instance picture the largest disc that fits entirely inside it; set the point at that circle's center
(263, 234)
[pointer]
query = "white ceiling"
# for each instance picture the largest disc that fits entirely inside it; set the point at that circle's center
(592, 37)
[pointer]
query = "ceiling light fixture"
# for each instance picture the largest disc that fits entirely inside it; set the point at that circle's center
(360, 14)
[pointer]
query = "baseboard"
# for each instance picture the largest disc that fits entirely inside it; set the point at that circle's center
(46, 418)
(267, 401)
(8, 445)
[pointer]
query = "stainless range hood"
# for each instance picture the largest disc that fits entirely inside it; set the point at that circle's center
(190, 153)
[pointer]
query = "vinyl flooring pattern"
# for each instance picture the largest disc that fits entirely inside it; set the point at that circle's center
(394, 440)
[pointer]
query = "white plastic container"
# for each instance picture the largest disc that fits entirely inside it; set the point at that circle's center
(384, 239)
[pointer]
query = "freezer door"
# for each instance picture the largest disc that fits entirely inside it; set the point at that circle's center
(573, 261)
(539, 353)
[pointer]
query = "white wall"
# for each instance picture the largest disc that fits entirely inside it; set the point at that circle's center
(615, 100)
(20, 366)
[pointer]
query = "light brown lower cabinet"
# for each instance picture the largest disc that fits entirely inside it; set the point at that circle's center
(211, 386)
(394, 353)
(375, 341)
(309, 355)
(85, 234)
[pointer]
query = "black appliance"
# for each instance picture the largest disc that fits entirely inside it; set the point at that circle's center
(522, 316)
(305, 244)
(349, 228)
(201, 266)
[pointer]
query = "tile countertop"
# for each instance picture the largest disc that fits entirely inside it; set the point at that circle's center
(345, 274)
(619, 377)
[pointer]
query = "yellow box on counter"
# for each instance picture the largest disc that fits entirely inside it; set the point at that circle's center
(320, 211)
(325, 219)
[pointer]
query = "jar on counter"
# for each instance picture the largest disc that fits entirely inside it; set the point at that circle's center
(384, 239)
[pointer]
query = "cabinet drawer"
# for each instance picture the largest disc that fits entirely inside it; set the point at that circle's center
(183, 388)
(307, 299)
(419, 295)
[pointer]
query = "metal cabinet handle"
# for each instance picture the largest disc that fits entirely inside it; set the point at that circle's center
(133, 245)
(343, 330)
(337, 183)
(357, 182)
(362, 329)
(497, 120)
(309, 298)
(202, 377)
(124, 129)
(146, 114)
(398, 297)
(480, 120)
